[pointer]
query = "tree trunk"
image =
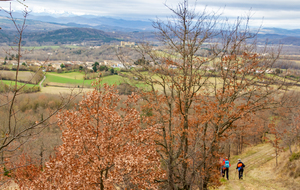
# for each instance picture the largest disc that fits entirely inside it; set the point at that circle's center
(241, 143)
(101, 181)
(205, 184)
(276, 154)
(170, 177)
(229, 150)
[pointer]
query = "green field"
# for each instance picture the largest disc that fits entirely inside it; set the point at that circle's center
(70, 46)
(37, 47)
(12, 83)
(8, 86)
(76, 79)
(46, 47)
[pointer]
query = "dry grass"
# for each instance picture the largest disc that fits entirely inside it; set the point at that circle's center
(22, 75)
(261, 171)
(9, 186)
(62, 90)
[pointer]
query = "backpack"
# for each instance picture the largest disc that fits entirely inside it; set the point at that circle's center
(227, 164)
(240, 166)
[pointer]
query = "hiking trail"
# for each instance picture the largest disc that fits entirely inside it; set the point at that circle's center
(259, 172)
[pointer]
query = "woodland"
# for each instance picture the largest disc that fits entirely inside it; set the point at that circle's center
(207, 92)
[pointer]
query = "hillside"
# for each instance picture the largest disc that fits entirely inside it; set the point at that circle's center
(261, 172)
(86, 21)
(287, 41)
(60, 36)
(32, 25)
(72, 35)
(280, 31)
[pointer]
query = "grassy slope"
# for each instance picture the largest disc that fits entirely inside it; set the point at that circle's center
(76, 78)
(260, 171)
(12, 83)
(37, 47)
(63, 90)
(47, 47)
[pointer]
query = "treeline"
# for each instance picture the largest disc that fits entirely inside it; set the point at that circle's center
(33, 77)
(62, 36)
(5, 88)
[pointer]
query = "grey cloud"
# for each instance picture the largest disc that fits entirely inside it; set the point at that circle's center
(153, 7)
(271, 10)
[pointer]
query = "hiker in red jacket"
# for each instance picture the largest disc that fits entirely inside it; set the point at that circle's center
(226, 164)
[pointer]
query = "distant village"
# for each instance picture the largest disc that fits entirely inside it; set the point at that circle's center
(56, 65)
(50, 65)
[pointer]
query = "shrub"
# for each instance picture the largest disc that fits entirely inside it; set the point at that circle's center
(31, 89)
(21, 68)
(3, 87)
(294, 156)
(106, 74)
(4, 68)
(103, 68)
(297, 173)
(126, 89)
(124, 70)
(112, 71)
(33, 68)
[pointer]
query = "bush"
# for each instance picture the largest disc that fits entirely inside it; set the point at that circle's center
(126, 89)
(31, 89)
(297, 173)
(91, 76)
(39, 75)
(124, 70)
(106, 74)
(4, 68)
(294, 156)
(3, 87)
(33, 68)
(103, 68)
(112, 71)
(21, 68)
(123, 75)
(25, 89)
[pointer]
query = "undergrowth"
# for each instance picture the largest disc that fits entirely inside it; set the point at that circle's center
(294, 156)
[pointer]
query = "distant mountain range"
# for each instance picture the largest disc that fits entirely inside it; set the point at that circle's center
(280, 31)
(88, 21)
(75, 29)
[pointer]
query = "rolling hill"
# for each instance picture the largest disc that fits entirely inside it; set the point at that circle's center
(72, 35)
(60, 36)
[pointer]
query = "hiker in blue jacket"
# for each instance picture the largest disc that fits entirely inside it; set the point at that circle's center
(226, 164)
(240, 166)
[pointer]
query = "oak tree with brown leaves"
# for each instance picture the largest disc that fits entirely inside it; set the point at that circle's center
(104, 146)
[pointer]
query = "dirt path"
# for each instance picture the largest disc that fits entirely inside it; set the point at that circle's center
(42, 82)
(259, 172)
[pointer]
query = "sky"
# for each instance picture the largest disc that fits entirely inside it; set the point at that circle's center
(269, 13)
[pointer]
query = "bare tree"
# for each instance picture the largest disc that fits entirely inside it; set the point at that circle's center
(17, 128)
(196, 100)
